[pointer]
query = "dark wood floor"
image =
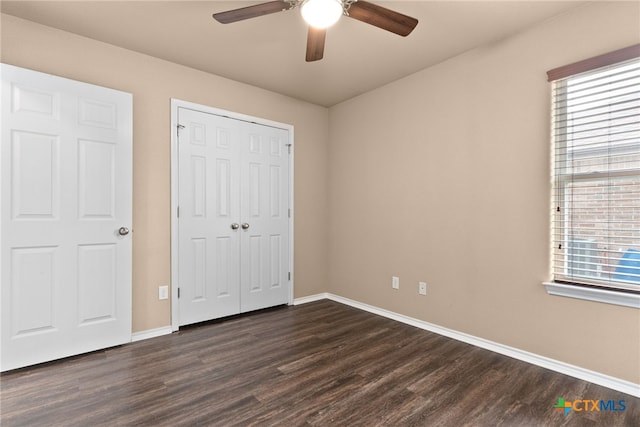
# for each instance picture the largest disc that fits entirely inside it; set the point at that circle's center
(318, 364)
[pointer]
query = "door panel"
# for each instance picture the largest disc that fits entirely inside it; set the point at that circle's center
(209, 248)
(97, 291)
(66, 170)
(264, 207)
(35, 183)
(32, 288)
(199, 253)
(225, 250)
(96, 176)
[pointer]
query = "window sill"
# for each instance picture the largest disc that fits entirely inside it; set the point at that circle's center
(592, 294)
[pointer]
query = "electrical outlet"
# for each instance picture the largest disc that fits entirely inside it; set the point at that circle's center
(422, 288)
(395, 282)
(163, 292)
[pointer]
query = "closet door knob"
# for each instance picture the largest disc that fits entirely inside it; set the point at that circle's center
(235, 226)
(245, 226)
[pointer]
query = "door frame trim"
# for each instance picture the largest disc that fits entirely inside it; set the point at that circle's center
(175, 105)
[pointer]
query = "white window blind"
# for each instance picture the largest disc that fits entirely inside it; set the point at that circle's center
(596, 177)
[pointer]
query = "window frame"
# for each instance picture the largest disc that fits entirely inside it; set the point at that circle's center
(623, 295)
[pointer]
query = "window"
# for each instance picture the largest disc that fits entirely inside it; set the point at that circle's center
(596, 174)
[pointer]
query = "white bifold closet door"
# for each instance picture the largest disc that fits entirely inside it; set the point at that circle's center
(66, 178)
(233, 216)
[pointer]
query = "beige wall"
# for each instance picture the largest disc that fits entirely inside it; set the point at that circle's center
(443, 177)
(153, 83)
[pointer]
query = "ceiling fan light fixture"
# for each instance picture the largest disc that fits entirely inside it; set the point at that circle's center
(321, 13)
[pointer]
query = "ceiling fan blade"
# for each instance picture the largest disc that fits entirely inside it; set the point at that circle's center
(251, 11)
(315, 43)
(381, 17)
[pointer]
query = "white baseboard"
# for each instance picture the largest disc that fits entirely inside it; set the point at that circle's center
(311, 298)
(555, 365)
(150, 333)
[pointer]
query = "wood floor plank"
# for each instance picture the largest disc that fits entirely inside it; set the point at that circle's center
(318, 364)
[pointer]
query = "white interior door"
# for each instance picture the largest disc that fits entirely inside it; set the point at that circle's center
(233, 224)
(209, 231)
(264, 213)
(66, 168)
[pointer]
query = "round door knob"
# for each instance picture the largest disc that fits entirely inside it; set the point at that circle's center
(235, 226)
(123, 231)
(245, 226)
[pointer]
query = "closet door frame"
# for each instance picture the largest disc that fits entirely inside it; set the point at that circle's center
(175, 105)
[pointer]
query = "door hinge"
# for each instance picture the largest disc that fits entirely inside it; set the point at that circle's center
(289, 148)
(178, 292)
(178, 211)
(179, 126)
(289, 212)
(289, 275)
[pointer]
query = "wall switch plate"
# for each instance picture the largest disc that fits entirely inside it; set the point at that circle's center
(395, 282)
(163, 292)
(422, 288)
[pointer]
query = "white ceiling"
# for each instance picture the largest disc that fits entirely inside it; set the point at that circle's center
(269, 51)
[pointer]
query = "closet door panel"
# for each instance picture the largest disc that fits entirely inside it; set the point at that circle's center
(265, 217)
(209, 188)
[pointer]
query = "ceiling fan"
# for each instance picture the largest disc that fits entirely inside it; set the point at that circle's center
(321, 14)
